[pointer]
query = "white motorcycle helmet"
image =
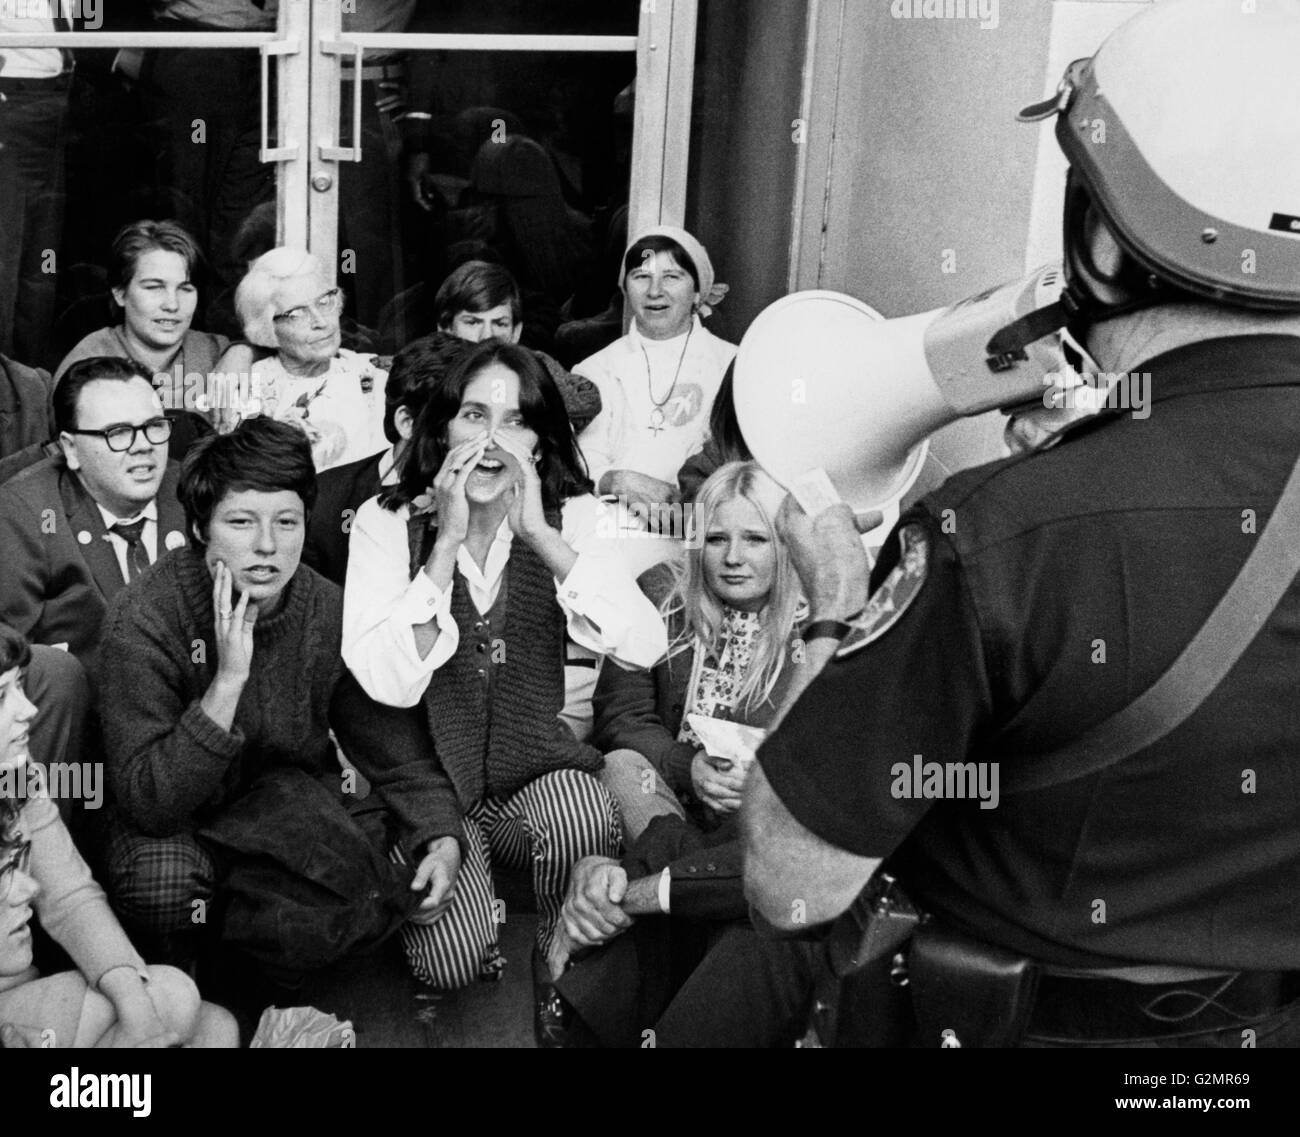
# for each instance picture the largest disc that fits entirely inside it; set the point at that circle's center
(1183, 137)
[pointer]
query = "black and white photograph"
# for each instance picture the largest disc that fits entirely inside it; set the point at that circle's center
(651, 524)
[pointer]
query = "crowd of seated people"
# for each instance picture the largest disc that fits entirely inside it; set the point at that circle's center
(399, 570)
(241, 556)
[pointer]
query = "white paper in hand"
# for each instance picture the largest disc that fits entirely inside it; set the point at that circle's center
(731, 741)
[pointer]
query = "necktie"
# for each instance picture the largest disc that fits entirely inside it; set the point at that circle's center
(137, 556)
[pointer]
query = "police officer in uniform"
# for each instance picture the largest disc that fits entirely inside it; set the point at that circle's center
(1029, 600)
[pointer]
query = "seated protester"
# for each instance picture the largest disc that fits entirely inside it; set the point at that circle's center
(724, 444)
(57, 684)
(225, 669)
(114, 999)
(154, 282)
(289, 302)
(480, 301)
(416, 370)
(657, 381)
(462, 582)
(663, 942)
(731, 609)
(733, 645)
(77, 527)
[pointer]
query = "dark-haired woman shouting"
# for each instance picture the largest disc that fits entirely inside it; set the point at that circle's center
(463, 582)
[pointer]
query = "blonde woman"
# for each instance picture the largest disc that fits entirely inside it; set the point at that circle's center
(732, 610)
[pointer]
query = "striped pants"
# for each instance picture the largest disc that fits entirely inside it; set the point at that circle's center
(552, 823)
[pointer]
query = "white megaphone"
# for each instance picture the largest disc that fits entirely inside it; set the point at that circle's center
(824, 383)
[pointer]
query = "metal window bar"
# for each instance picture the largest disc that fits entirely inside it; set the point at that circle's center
(136, 39)
(422, 41)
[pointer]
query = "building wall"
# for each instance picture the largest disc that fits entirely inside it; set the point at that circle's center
(909, 182)
(933, 187)
(744, 154)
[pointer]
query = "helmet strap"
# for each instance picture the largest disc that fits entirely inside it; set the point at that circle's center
(1092, 294)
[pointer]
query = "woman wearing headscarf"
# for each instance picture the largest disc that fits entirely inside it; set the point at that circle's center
(658, 382)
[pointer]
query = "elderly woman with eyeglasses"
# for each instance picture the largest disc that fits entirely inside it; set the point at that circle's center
(114, 999)
(289, 302)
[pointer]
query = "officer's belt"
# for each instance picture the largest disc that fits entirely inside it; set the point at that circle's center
(1072, 1008)
(1137, 973)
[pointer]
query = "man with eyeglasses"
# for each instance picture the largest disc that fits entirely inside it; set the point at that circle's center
(77, 527)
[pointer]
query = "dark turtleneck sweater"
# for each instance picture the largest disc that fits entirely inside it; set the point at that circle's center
(172, 769)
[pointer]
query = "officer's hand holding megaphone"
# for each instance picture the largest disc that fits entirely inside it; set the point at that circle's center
(828, 554)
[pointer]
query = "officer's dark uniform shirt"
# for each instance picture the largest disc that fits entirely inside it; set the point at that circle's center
(1057, 589)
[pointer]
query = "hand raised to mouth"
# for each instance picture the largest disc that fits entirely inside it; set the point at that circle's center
(450, 503)
(527, 511)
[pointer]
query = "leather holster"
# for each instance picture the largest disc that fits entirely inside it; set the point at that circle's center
(967, 993)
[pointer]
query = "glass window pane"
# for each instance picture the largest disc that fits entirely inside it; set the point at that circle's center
(518, 158)
(163, 134)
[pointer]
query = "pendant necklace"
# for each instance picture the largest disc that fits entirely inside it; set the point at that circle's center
(657, 413)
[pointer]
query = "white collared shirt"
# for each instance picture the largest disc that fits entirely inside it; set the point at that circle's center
(148, 535)
(606, 611)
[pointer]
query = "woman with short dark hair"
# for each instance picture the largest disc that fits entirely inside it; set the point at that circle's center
(154, 282)
(219, 665)
(462, 584)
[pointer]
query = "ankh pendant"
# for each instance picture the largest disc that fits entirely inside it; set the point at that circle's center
(657, 421)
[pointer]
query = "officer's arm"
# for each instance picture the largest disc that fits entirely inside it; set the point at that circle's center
(792, 876)
(823, 805)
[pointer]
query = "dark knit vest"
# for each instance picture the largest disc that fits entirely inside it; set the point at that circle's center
(496, 748)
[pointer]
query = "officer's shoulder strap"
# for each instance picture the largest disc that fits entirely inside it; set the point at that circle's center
(1198, 670)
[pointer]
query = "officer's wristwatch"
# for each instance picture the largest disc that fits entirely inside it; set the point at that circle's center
(830, 629)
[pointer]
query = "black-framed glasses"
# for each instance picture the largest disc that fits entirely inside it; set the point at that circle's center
(327, 303)
(121, 436)
(15, 862)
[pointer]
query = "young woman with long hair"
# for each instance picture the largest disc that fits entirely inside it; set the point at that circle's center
(464, 581)
(732, 609)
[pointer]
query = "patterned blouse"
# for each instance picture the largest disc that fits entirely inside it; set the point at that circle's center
(716, 681)
(341, 411)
